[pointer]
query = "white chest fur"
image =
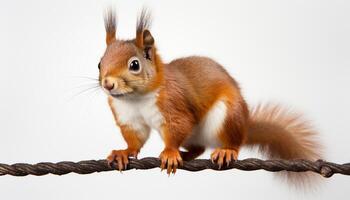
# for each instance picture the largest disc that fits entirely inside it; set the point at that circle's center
(139, 112)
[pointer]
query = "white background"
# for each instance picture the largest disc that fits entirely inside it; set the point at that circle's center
(292, 52)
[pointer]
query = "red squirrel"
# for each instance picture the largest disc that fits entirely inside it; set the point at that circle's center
(193, 103)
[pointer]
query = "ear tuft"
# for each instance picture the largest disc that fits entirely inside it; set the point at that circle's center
(110, 19)
(144, 39)
(144, 21)
(142, 32)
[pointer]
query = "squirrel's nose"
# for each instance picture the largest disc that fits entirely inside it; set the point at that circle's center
(108, 84)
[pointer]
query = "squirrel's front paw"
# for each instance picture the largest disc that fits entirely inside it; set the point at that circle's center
(121, 157)
(170, 159)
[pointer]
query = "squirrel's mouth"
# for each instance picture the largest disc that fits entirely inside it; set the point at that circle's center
(118, 95)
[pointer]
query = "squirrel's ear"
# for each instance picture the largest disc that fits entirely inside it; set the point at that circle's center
(148, 40)
(110, 25)
(144, 39)
(147, 45)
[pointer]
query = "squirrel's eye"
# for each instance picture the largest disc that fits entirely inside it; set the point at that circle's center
(134, 65)
(99, 66)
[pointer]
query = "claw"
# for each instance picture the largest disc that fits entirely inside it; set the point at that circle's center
(163, 163)
(221, 156)
(170, 164)
(120, 163)
(121, 157)
(170, 160)
(175, 167)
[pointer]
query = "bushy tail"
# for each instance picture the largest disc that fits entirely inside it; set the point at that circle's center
(281, 134)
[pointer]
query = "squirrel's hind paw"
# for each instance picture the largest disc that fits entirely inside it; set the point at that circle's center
(221, 156)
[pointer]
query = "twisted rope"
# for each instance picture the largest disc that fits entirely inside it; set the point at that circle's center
(326, 169)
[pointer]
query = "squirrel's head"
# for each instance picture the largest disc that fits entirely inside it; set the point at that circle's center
(130, 67)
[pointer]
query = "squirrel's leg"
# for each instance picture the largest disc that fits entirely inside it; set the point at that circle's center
(232, 133)
(135, 138)
(192, 152)
(173, 136)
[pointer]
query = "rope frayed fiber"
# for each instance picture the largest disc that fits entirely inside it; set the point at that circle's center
(326, 169)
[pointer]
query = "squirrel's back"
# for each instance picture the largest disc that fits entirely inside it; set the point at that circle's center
(202, 81)
(201, 68)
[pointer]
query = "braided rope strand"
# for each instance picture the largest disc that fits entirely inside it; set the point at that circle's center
(326, 169)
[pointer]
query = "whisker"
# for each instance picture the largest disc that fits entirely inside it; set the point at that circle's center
(85, 77)
(93, 93)
(85, 85)
(81, 87)
(90, 89)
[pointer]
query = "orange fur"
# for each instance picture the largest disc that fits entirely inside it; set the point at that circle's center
(282, 134)
(187, 92)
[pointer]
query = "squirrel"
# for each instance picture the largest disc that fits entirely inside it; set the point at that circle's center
(193, 103)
